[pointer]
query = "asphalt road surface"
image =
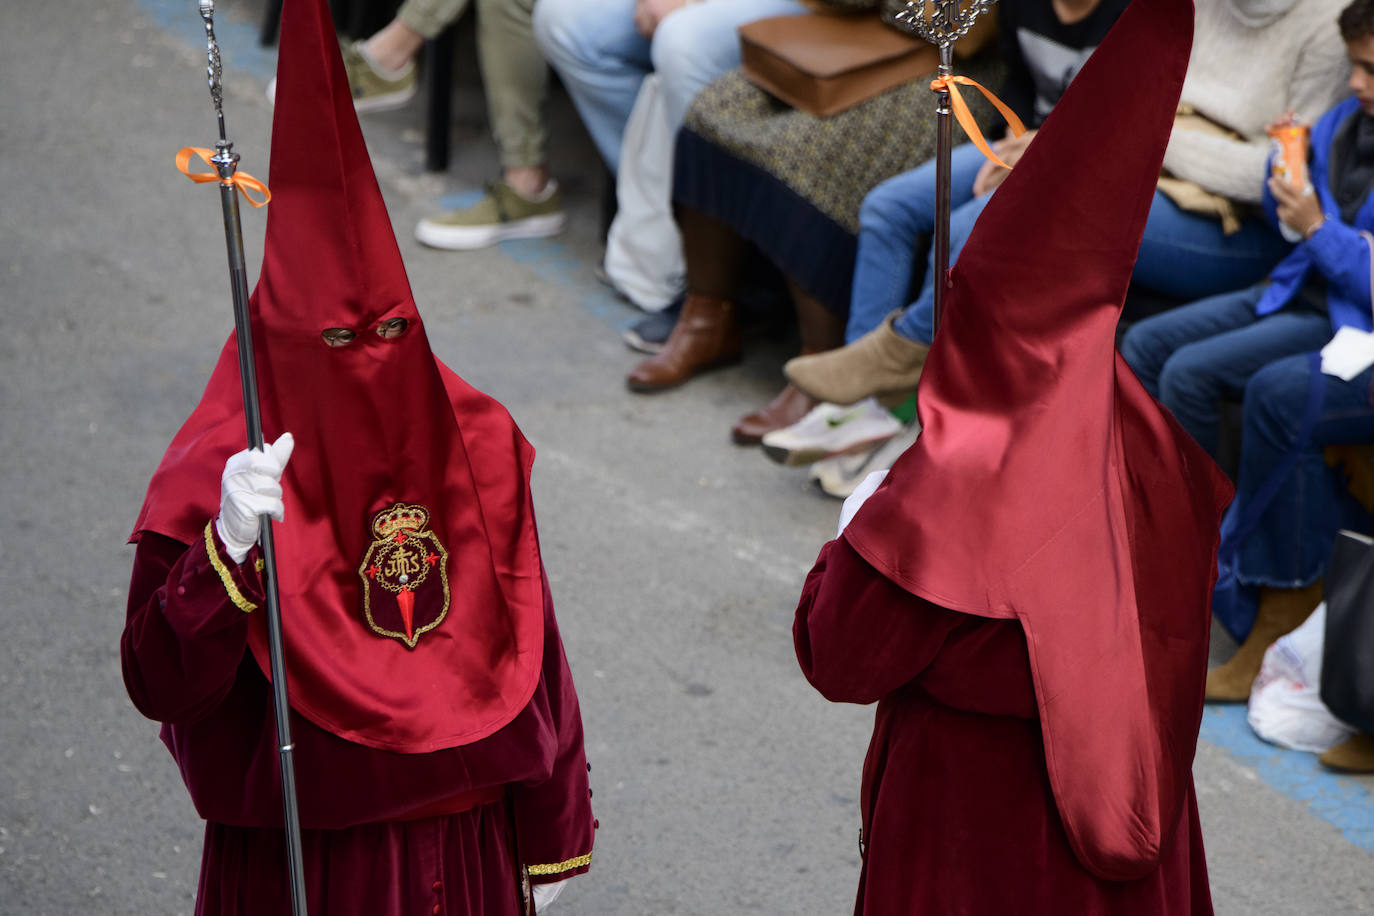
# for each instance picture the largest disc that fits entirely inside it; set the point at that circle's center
(723, 783)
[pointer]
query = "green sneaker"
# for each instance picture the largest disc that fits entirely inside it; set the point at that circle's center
(371, 90)
(501, 214)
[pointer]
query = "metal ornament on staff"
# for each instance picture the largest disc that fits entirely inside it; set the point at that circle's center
(225, 162)
(942, 23)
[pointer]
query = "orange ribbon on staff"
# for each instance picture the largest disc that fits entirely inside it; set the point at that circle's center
(965, 117)
(241, 180)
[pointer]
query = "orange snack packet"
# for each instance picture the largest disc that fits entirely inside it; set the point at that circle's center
(1290, 143)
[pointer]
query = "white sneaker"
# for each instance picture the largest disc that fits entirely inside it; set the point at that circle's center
(829, 430)
(839, 476)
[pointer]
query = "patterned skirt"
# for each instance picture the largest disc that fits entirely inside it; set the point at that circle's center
(791, 183)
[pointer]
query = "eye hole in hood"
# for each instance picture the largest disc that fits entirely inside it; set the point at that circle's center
(338, 337)
(391, 328)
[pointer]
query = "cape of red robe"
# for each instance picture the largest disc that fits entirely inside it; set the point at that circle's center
(445, 832)
(958, 815)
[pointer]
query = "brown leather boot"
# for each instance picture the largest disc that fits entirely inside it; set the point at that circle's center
(881, 363)
(1281, 610)
(787, 408)
(706, 337)
(1354, 755)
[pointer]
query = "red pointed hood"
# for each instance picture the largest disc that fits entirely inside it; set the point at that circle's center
(1046, 485)
(410, 579)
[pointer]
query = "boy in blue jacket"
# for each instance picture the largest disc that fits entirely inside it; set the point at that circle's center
(1259, 344)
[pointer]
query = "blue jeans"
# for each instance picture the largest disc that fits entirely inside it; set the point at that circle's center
(602, 59)
(1291, 545)
(893, 217)
(1181, 254)
(1193, 357)
(1187, 255)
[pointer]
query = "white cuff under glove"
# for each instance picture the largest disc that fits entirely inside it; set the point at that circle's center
(856, 499)
(545, 894)
(250, 487)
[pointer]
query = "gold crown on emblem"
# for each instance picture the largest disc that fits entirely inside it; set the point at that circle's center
(400, 517)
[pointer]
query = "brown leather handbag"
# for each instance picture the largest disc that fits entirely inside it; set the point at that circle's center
(824, 63)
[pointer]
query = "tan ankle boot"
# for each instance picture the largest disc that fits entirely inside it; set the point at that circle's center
(882, 363)
(706, 336)
(1354, 755)
(1281, 610)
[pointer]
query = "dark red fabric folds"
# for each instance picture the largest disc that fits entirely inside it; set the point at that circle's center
(959, 817)
(378, 422)
(458, 865)
(1046, 485)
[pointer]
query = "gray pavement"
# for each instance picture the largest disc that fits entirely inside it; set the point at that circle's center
(723, 783)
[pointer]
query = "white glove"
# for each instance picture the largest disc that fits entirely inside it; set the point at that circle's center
(545, 894)
(856, 499)
(250, 487)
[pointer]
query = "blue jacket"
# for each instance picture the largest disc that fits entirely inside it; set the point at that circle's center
(1339, 251)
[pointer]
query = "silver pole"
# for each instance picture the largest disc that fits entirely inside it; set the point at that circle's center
(225, 162)
(942, 23)
(943, 167)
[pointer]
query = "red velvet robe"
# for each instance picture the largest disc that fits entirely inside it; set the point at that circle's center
(958, 816)
(384, 833)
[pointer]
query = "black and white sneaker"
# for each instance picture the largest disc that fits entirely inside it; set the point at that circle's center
(649, 334)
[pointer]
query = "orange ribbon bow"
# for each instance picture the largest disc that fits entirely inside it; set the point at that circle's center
(241, 180)
(965, 117)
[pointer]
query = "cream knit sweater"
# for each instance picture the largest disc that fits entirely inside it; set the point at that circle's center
(1244, 76)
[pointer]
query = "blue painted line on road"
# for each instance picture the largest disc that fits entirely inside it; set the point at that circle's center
(1338, 799)
(238, 40)
(552, 262)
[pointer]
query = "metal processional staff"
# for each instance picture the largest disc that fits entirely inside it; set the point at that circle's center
(231, 183)
(942, 23)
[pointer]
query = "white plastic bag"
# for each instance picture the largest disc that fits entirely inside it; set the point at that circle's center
(643, 248)
(1285, 703)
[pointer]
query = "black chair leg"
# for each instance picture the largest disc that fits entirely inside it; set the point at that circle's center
(271, 22)
(439, 102)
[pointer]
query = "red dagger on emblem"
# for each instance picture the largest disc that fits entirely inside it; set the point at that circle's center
(405, 600)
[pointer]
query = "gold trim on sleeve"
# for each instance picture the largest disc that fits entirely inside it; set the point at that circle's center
(226, 576)
(558, 868)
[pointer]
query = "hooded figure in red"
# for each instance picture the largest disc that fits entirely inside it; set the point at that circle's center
(439, 751)
(1026, 595)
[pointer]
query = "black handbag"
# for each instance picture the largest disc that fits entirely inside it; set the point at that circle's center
(1347, 686)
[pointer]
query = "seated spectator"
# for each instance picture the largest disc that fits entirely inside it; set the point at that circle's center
(1251, 61)
(603, 49)
(1043, 45)
(524, 202)
(752, 169)
(1193, 357)
(1255, 344)
(1285, 556)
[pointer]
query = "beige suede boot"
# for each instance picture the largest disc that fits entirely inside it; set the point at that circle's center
(1281, 610)
(1354, 755)
(882, 363)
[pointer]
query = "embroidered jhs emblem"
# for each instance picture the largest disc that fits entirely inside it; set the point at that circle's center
(405, 575)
